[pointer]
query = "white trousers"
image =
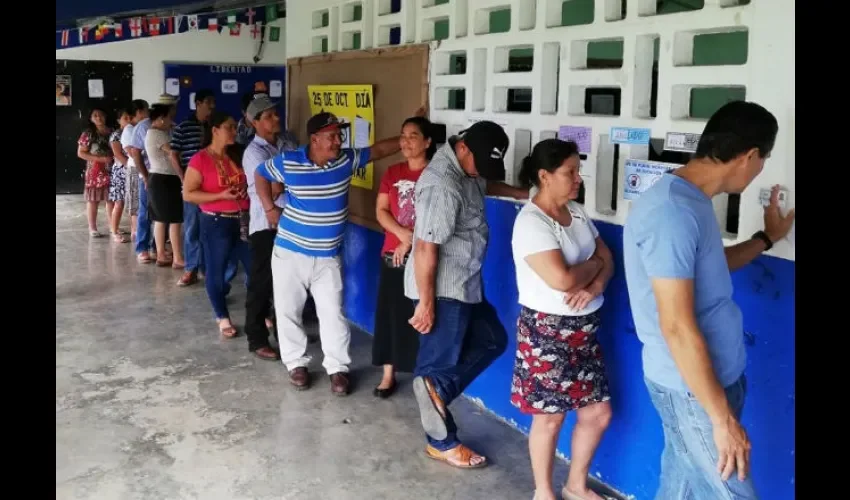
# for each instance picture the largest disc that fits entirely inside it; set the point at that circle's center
(294, 274)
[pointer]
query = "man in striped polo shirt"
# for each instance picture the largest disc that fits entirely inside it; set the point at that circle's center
(187, 139)
(316, 180)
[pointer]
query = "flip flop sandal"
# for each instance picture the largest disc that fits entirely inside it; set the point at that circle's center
(228, 332)
(96, 234)
(144, 259)
(120, 238)
(460, 457)
(163, 263)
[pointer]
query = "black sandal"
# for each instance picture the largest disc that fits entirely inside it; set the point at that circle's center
(385, 393)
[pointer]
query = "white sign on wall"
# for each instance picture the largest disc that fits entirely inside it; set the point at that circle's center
(172, 86)
(681, 142)
(229, 87)
(642, 174)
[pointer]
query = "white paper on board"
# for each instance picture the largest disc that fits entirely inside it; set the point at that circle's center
(275, 88)
(172, 86)
(229, 87)
(96, 89)
(361, 132)
(192, 101)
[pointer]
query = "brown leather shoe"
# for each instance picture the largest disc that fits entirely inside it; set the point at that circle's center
(300, 378)
(340, 385)
(266, 353)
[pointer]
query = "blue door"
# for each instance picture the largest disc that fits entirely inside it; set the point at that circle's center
(228, 81)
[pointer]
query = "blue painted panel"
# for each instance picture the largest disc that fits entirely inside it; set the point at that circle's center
(629, 456)
(209, 76)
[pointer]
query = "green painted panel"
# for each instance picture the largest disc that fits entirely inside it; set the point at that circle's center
(441, 29)
(714, 49)
(705, 101)
(355, 45)
(500, 21)
(606, 49)
(324, 44)
(576, 12)
(358, 12)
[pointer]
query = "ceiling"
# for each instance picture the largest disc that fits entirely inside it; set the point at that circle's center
(75, 12)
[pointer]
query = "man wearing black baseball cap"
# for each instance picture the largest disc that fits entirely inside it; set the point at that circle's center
(462, 334)
(311, 227)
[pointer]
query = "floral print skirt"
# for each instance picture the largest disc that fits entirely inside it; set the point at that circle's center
(117, 183)
(558, 365)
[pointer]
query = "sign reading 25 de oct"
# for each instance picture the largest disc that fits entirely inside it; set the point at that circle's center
(351, 104)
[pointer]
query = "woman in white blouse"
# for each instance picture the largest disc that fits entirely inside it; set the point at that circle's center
(562, 268)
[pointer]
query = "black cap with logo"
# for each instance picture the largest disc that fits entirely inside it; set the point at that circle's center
(324, 120)
(488, 143)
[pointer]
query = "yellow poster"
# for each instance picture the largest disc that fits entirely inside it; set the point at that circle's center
(352, 104)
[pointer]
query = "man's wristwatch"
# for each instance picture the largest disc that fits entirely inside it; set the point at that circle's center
(761, 235)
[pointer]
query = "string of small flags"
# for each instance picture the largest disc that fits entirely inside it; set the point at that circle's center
(148, 26)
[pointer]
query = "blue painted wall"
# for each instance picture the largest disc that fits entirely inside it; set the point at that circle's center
(629, 457)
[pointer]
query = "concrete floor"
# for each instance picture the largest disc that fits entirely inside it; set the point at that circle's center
(150, 404)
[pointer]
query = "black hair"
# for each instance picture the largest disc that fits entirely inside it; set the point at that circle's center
(159, 111)
(215, 121)
(548, 155)
(123, 110)
(90, 127)
(203, 94)
(138, 105)
(235, 152)
(736, 128)
(426, 128)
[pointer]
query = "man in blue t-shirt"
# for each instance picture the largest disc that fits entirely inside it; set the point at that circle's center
(316, 179)
(680, 288)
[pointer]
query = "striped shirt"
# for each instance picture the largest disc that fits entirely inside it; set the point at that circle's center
(316, 199)
(450, 213)
(186, 139)
(257, 152)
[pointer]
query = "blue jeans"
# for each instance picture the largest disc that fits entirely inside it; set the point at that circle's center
(192, 237)
(144, 235)
(221, 242)
(689, 460)
(463, 341)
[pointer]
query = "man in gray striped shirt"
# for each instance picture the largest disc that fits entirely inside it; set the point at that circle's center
(461, 333)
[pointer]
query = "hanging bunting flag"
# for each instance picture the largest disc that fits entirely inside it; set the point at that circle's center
(193, 22)
(169, 25)
(250, 13)
(274, 34)
(100, 32)
(212, 24)
(84, 35)
(271, 13)
(256, 30)
(136, 27)
(231, 20)
(64, 41)
(235, 29)
(178, 23)
(118, 29)
(153, 26)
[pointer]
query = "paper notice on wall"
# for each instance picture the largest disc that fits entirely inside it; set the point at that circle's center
(96, 89)
(361, 132)
(192, 101)
(627, 135)
(642, 174)
(229, 87)
(275, 88)
(582, 136)
(172, 86)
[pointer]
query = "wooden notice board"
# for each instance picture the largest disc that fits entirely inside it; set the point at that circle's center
(399, 76)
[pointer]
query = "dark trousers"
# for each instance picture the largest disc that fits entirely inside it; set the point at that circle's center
(260, 289)
(464, 340)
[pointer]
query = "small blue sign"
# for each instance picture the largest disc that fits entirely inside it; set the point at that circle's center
(642, 174)
(627, 135)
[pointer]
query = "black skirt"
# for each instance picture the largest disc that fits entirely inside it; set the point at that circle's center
(165, 198)
(396, 342)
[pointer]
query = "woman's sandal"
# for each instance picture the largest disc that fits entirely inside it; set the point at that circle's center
(163, 263)
(96, 234)
(460, 456)
(227, 332)
(144, 258)
(119, 238)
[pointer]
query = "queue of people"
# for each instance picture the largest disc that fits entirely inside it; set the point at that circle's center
(281, 210)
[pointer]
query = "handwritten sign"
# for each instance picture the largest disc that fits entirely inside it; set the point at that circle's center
(352, 104)
(583, 136)
(681, 141)
(642, 174)
(626, 135)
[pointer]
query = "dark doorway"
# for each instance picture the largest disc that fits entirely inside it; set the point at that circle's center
(117, 83)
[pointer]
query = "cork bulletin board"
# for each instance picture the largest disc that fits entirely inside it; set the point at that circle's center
(399, 76)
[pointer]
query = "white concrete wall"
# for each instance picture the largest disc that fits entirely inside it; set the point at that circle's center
(149, 54)
(769, 74)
